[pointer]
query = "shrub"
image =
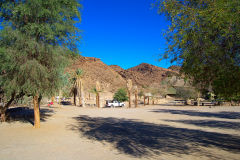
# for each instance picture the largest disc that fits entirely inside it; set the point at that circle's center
(121, 95)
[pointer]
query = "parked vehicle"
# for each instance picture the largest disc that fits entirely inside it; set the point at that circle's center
(114, 103)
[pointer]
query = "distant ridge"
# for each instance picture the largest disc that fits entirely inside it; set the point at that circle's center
(144, 74)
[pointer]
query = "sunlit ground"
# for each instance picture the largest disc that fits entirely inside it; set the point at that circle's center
(151, 132)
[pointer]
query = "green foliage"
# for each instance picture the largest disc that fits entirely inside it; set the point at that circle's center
(94, 90)
(79, 72)
(36, 41)
(186, 93)
(141, 94)
(204, 39)
(121, 95)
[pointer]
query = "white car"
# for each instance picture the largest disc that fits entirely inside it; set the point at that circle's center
(114, 103)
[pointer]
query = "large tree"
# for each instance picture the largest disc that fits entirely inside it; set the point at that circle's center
(35, 40)
(204, 38)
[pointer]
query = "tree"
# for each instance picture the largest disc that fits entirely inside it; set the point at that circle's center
(36, 41)
(186, 93)
(96, 90)
(121, 95)
(141, 94)
(135, 91)
(204, 39)
(78, 87)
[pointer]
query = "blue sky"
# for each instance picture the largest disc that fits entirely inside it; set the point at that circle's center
(123, 32)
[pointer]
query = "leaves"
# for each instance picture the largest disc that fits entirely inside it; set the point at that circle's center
(204, 39)
(36, 41)
(121, 95)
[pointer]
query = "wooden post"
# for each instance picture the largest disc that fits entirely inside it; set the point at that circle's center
(129, 87)
(36, 112)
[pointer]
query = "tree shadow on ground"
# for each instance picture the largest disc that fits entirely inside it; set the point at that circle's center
(227, 115)
(140, 139)
(65, 103)
(210, 123)
(26, 114)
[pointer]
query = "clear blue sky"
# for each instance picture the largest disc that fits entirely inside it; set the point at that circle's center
(123, 32)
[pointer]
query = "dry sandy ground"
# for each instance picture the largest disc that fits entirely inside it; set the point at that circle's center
(151, 132)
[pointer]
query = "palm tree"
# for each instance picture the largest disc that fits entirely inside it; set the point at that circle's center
(96, 90)
(78, 87)
(135, 90)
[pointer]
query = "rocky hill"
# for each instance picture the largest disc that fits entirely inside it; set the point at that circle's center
(113, 77)
(144, 75)
(116, 68)
(95, 70)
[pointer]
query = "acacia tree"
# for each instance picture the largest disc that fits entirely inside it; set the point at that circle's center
(36, 39)
(204, 39)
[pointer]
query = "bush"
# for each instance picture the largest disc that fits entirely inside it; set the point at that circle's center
(186, 93)
(121, 95)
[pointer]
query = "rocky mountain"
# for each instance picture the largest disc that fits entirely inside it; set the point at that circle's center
(113, 77)
(145, 75)
(95, 70)
(116, 68)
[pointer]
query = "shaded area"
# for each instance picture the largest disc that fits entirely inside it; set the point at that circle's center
(65, 103)
(141, 139)
(26, 115)
(227, 115)
(210, 123)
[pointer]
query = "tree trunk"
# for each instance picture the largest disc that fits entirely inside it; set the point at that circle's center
(79, 99)
(136, 100)
(148, 101)
(3, 115)
(74, 96)
(97, 100)
(198, 99)
(36, 112)
(129, 95)
(82, 95)
(39, 101)
(153, 101)
(4, 108)
(144, 100)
